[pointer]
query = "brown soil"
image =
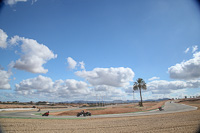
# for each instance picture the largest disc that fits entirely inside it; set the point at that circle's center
(6, 106)
(115, 109)
(184, 122)
(192, 102)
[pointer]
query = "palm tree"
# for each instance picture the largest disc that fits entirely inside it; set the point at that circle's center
(140, 84)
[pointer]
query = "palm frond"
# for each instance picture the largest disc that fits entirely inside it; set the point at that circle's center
(139, 84)
(144, 87)
(135, 86)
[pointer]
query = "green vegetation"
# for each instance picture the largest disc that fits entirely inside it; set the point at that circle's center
(38, 113)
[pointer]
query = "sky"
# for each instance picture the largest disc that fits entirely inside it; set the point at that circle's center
(65, 50)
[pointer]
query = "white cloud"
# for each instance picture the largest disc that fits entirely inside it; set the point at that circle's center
(154, 78)
(12, 2)
(71, 63)
(33, 1)
(15, 40)
(186, 51)
(74, 88)
(71, 89)
(34, 55)
(180, 93)
(108, 92)
(3, 39)
(82, 65)
(4, 79)
(186, 70)
(166, 87)
(116, 77)
(41, 85)
(194, 48)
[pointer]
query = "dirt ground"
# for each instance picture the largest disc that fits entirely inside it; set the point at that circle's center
(6, 106)
(127, 108)
(184, 122)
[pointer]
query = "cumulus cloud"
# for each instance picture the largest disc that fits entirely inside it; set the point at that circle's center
(165, 87)
(154, 78)
(108, 92)
(40, 83)
(4, 79)
(12, 2)
(71, 63)
(74, 88)
(116, 77)
(34, 55)
(69, 88)
(186, 70)
(3, 39)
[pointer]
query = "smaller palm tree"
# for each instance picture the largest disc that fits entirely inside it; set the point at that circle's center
(138, 85)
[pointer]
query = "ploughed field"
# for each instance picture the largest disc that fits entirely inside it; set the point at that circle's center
(183, 122)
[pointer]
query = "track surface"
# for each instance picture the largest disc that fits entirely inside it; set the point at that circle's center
(168, 108)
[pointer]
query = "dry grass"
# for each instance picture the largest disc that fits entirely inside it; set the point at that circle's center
(184, 122)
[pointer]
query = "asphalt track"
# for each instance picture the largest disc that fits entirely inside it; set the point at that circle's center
(168, 108)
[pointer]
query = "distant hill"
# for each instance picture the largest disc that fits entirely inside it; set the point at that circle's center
(114, 101)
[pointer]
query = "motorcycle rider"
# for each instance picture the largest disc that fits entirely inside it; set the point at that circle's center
(82, 112)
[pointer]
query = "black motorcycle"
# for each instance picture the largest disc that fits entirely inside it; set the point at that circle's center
(83, 114)
(88, 114)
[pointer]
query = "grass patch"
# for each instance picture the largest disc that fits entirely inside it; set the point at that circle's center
(38, 114)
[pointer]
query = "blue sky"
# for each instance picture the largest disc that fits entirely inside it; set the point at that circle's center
(64, 50)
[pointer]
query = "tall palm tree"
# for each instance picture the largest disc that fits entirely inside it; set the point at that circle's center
(140, 84)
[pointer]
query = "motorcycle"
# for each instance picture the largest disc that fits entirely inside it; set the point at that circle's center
(84, 114)
(160, 108)
(45, 114)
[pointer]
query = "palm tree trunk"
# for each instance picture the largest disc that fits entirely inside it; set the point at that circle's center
(141, 98)
(133, 97)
